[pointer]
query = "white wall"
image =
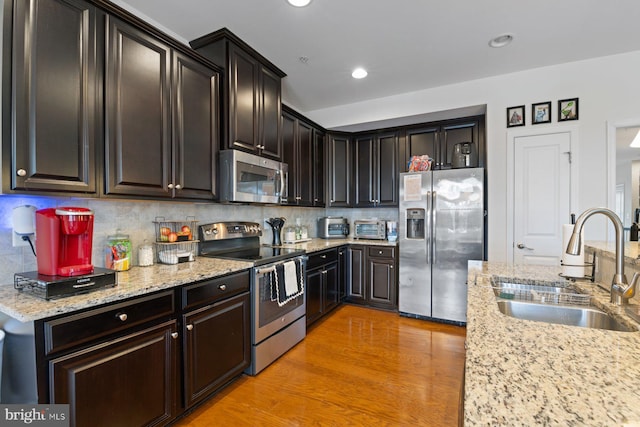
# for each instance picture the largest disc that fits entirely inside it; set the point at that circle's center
(605, 86)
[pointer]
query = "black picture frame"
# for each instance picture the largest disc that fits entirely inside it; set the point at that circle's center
(541, 113)
(515, 116)
(567, 109)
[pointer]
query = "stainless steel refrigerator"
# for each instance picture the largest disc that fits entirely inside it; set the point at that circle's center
(440, 228)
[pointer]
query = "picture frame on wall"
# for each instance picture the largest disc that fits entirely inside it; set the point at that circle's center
(567, 109)
(515, 116)
(541, 113)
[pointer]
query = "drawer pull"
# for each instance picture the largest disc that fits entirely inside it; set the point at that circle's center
(323, 256)
(222, 287)
(174, 335)
(379, 252)
(189, 327)
(122, 316)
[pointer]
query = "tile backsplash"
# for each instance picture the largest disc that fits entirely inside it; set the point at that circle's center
(135, 218)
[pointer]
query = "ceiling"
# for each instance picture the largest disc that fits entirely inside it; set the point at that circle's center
(624, 136)
(406, 45)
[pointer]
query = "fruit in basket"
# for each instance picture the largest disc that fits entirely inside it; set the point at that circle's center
(172, 237)
(186, 229)
(164, 233)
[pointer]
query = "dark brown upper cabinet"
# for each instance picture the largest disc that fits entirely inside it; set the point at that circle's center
(252, 94)
(303, 152)
(339, 170)
(376, 169)
(438, 140)
(51, 97)
(154, 147)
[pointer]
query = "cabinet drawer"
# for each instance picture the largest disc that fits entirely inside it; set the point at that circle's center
(382, 252)
(319, 258)
(214, 290)
(71, 331)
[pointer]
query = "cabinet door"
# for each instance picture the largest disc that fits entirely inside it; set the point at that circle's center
(331, 285)
(356, 286)
(365, 165)
(318, 167)
(137, 97)
(217, 346)
(130, 381)
(382, 283)
(195, 128)
(314, 295)
(56, 80)
(342, 272)
(340, 172)
(387, 172)
(270, 112)
(289, 151)
(243, 83)
(305, 164)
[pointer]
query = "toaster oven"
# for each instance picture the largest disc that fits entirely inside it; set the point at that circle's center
(333, 227)
(374, 229)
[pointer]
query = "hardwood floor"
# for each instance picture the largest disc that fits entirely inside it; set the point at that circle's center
(357, 367)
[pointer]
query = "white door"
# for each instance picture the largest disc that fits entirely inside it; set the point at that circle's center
(542, 182)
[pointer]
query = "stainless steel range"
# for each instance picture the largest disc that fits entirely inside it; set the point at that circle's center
(277, 288)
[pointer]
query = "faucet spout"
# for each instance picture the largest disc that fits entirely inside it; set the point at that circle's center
(620, 290)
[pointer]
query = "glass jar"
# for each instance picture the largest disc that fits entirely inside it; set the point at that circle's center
(145, 255)
(118, 252)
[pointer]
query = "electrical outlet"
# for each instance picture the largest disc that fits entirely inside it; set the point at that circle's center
(17, 240)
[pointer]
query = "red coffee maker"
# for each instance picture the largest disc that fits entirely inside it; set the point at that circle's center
(64, 238)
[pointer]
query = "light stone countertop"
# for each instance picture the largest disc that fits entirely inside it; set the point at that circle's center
(523, 373)
(139, 281)
(135, 282)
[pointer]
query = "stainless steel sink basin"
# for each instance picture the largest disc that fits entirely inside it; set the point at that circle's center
(586, 317)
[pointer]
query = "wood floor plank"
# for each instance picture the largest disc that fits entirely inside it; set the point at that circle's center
(356, 367)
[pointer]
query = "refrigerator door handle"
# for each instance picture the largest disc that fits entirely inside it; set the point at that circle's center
(428, 227)
(433, 212)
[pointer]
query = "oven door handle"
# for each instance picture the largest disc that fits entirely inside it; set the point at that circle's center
(266, 270)
(272, 268)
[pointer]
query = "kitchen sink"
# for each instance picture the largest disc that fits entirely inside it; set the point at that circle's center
(553, 304)
(586, 317)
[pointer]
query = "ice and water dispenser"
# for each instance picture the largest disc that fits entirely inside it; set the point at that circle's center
(415, 223)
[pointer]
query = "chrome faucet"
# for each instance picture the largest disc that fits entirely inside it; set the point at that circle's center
(620, 290)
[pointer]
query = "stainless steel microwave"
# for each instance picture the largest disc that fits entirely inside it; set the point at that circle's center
(245, 177)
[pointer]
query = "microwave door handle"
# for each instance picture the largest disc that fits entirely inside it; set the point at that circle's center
(347, 230)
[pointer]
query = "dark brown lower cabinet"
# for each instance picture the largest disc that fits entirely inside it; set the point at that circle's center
(216, 346)
(322, 286)
(372, 276)
(129, 381)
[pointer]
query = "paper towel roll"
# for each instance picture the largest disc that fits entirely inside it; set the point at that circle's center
(572, 265)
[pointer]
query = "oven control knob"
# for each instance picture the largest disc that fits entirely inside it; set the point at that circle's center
(214, 230)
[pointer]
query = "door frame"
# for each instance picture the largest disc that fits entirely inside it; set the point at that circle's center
(573, 176)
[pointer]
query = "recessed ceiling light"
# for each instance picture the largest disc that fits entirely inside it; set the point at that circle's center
(299, 3)
(359, 73)
(501, 40)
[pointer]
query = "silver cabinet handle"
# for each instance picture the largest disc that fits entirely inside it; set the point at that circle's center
(523, 246)
(170, 186)
(323, 256)
(189, 327)
(380, 252)
(178, 186)
(174, 335)
(122, 316)
(21, 172)
(222, 287)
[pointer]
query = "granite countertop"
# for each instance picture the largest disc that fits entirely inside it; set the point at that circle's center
(608, 249)
(521, 372)
(143, 280)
